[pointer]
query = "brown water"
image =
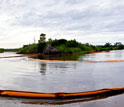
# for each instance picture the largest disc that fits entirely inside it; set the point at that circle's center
(23, 74)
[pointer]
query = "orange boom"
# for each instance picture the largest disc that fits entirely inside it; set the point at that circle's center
(111, 91)
(26, 94)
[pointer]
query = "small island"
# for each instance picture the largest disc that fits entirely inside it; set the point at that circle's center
(62, 48)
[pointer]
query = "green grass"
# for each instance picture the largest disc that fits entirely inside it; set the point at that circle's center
(65, 49)
(68, 47)
(29, 49)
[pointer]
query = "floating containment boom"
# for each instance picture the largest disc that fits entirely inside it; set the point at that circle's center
(25, 94)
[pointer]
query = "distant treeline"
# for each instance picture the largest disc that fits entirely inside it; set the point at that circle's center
(12, 50)
(1, 50)
(67, 46)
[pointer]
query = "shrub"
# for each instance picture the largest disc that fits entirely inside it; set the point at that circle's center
(29, 49)
(1, 50)
(41, 46)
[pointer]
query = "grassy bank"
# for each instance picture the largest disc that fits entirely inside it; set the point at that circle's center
(68, 47)
(28, 49)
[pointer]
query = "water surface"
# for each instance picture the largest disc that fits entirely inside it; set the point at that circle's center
(21, 73)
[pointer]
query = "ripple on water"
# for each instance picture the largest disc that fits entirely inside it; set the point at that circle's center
(24, 74)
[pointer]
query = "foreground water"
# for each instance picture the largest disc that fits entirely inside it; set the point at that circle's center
(24, 74)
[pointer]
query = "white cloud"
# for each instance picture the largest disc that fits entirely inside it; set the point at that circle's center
(84, 20)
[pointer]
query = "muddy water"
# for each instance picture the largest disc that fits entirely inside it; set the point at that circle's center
(23, 74)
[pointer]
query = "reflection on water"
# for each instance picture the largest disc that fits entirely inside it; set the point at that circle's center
(68, 101)
(112, 55)
(24, 74)
(43, 68)
(62, 67)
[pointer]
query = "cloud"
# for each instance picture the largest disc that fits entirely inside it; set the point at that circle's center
(85, 20)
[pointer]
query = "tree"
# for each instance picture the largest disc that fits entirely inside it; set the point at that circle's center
(42, 37)
(42, 43)
(41, 46)
(107, 44)
(49, 41)
(119, 45)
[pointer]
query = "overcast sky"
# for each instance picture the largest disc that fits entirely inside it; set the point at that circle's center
(92, 21)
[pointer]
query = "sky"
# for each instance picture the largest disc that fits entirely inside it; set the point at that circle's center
(87, 21)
